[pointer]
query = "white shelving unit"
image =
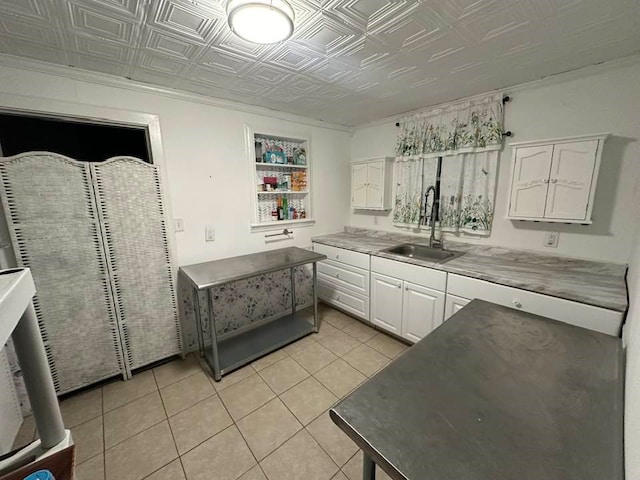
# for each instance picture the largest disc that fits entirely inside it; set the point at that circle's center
(265, 202)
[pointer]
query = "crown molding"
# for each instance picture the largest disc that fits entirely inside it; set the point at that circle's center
(543, 81)
(104, 79)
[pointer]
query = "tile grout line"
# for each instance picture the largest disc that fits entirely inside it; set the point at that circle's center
(104, 438)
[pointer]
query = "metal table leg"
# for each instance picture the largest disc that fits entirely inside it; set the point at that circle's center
(316, 321)
(368, 468)
(214, 361)
(293, 291)
(196, 312)
(37, 378)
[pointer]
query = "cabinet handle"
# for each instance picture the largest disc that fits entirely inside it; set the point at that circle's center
(338, 298)
(337, 255)
(337, 275)
(517, 303)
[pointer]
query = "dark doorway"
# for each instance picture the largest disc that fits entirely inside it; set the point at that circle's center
(79, 140)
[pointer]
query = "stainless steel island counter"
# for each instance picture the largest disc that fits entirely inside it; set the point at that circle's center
(494, 394)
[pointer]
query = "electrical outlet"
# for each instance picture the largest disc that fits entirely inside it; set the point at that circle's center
(551, 239)
(209, 234)
(178, 224)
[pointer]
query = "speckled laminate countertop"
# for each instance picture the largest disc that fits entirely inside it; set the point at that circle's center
(593, 283)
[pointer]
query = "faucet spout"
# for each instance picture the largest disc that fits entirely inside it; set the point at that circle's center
(433, 241)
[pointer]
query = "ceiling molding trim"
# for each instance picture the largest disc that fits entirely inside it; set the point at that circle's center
(104, 79)
(544, 81)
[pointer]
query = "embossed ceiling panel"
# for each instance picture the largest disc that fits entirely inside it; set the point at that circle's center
(348, 62)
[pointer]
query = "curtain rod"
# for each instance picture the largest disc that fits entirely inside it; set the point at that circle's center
(505, 99)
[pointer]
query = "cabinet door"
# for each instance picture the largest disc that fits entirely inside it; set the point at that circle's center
(453, 304)
(375, 184)
(530, 181)
(422, 311)
(572, 170)
(386, 302)
(359, 185)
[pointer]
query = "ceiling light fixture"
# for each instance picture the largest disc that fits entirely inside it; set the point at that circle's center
(261, 21)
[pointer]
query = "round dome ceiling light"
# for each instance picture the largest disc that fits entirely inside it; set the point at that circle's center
(261, 21)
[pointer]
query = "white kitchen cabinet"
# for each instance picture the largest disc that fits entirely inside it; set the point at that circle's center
(453, 304)
(410, 303)
(371, 184)
(555, 180)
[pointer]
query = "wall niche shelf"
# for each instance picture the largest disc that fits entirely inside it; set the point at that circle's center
(289, 182)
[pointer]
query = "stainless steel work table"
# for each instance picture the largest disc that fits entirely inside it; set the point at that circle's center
(233, 352)
(493, 394)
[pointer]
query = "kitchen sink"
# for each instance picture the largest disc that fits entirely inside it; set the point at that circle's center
(423, 252)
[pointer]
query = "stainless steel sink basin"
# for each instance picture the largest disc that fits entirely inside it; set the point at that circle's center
(423, 252)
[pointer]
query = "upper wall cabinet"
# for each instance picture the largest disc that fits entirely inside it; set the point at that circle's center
(555, 180)
(371, 183)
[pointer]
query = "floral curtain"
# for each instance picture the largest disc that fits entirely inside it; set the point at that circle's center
(407, 175)
(468, 136)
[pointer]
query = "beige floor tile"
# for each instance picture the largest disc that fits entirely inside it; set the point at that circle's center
(186, 392)
(246, 396)
(254, 474)
(333, 440)
(283, 375)
(325, 330)
(360, 331)
(301, 344)
(365, 359)
(142, 454)
(89, 439)
(353, 469)
(198, 423)
(338, 319)
(268, 360)
(176, 370)
(340, 377)
(223, 457)
(308, 399)
(387, 345)
(232, 378)
(314, 357)
(268, 427)
(92, 469)
(27, 432)
(121, 392)
(339, 343)
(82, 407)
(299, 458)
(339, 476)
(173, 471)
(132, 418)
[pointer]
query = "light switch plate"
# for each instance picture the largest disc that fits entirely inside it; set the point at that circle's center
(551, 239)
(209, 233)
(178, 224)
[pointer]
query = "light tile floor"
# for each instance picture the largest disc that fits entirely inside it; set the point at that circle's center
(268, 420)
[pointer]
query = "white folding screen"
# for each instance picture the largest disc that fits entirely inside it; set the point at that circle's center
(90, 308)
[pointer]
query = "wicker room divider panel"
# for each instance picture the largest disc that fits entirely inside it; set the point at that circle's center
(95, 238)
(53, 221)
(129, 198)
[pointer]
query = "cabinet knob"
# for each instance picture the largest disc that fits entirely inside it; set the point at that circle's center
(517, 303)
(546, 180)
(398, 286)
(337, 255)
(406, 288)
(337, 275)
(338, 298)
(554, 180)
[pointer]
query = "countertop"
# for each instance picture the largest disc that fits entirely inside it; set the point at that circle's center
(495, 393)
(593, 283)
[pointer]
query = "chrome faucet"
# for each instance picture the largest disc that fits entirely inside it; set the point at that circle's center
(433, 241)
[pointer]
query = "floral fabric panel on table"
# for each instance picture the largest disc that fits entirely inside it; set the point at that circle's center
(240, 305)
(468, 136)
(467, 191)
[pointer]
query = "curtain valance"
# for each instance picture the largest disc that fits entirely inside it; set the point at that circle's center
(472, 126)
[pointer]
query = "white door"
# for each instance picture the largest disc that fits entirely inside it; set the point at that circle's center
(375, 184)
(453, 304)
(359, 185)
(422, 311)
(570, 180)
(530, 181)
(386, 302)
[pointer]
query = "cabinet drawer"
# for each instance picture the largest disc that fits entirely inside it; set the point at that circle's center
(575, 313)
(427, 277)
(355, 259)
(344, 275)
(347, 300)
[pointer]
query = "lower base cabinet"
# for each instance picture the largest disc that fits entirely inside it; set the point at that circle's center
(404, 308)
(453, 304)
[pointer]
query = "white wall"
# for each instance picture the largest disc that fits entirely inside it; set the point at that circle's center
(601, 99)
(207, 168)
